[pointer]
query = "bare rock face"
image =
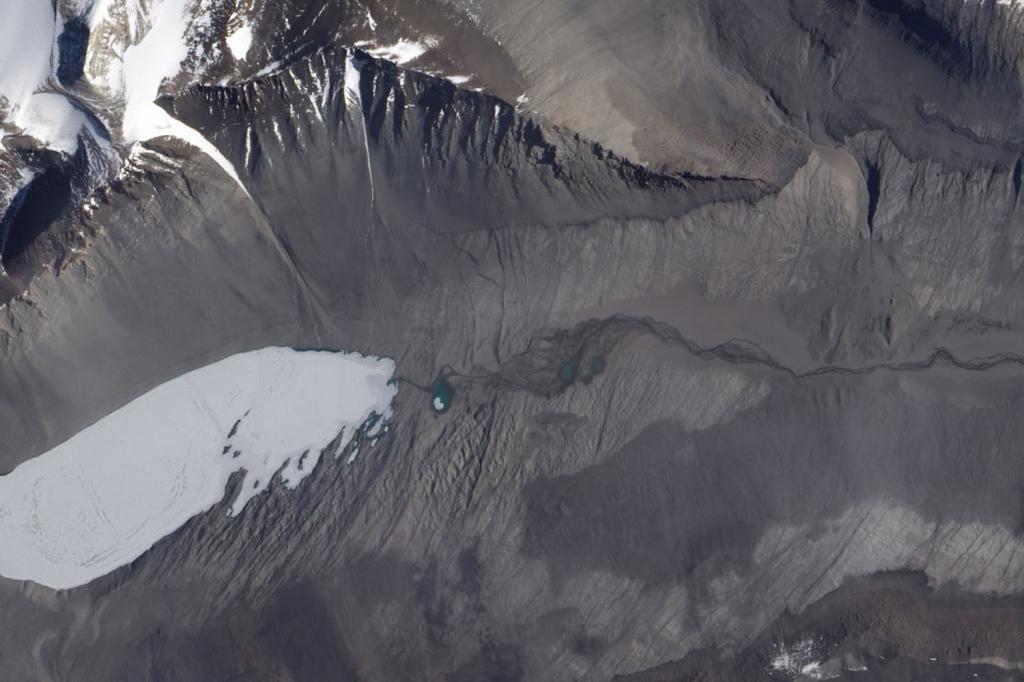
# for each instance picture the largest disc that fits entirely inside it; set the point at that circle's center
(706, 319)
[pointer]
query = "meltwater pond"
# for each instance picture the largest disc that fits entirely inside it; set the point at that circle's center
(100, 499)
(442, 394)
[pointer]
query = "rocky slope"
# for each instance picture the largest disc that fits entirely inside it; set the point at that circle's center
(751, 415)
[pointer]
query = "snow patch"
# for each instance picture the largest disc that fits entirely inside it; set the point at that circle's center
(800, 659)
(354, 98)
(402, 52)
(270, 68)
(102, 498)
(25, 176)
(100, 10)
(240, 42)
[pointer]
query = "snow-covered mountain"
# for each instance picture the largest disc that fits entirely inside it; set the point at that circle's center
(696, 327)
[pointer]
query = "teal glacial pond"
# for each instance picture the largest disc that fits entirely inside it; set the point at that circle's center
(442, 394)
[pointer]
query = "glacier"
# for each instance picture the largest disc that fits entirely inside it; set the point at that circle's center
(102, 498)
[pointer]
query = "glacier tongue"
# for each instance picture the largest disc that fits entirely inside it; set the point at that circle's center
(146, 65)
(154, 122)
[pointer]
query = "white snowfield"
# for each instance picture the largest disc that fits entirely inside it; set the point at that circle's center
(102, 498)
(26, 37)
(402, 52)
(52, 120)
(240, 42)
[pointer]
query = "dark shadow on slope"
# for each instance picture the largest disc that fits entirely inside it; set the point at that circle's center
(37, 207)
(72, 45)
